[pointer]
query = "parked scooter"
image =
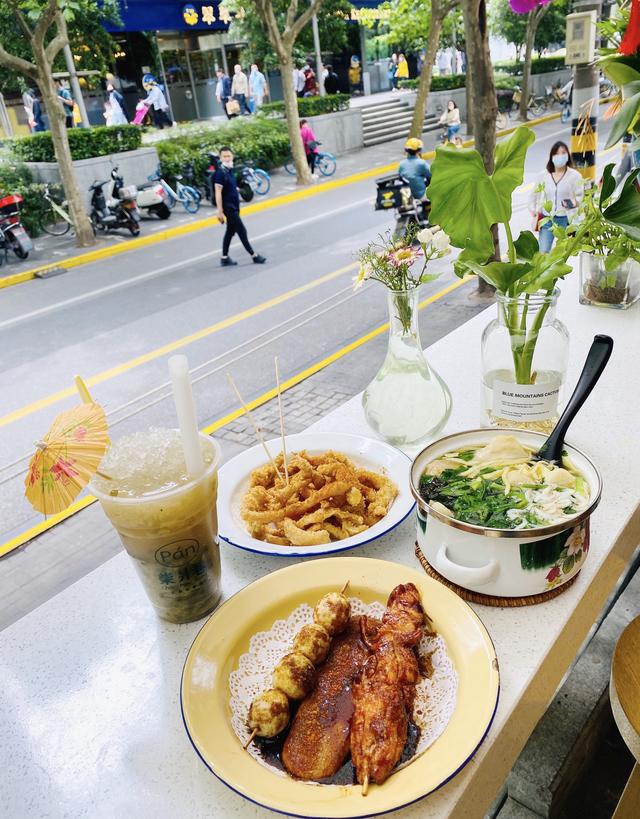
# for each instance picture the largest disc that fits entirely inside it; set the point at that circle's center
(13, 236)
(153, 199)
(394, 193)
(242, 174)
(117, 209)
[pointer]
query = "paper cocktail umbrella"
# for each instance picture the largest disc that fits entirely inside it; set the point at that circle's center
(68, 456)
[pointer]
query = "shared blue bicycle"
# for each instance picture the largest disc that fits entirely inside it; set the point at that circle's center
(188, 195)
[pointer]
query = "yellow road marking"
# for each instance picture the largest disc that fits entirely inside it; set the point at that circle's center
(87, 500)
(119, 369)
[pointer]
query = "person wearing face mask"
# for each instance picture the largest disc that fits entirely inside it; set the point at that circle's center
(555, 198)
(228, 204)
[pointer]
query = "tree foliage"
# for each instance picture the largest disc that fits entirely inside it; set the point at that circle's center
(512, 27)
(332, 26)
(91, 45)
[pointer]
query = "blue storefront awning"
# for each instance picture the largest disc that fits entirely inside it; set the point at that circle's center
(172, 15)
(176, 15)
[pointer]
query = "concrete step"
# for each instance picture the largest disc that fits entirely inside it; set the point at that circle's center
(379, 106)
(388, 117)
(391, 120)
(395, 131)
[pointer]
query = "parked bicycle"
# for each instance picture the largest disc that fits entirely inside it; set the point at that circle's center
(326, 164)
(188, 196)
(54, 218)
(256, 178)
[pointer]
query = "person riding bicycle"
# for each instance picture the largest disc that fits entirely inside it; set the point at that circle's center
(415, 169)
(451, 120)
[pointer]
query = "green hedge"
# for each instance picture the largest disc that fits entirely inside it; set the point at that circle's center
(265, 141)
(310, 106)
(84, 143)
(448, 82)
(539, 65)
(16, 178)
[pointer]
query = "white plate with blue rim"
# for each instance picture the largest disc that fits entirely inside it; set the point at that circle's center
(366, 453)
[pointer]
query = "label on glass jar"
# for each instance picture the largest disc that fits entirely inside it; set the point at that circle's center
(525, 402)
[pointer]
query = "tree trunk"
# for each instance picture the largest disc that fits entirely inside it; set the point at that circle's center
(526, 68)
(293, 120)
(84, 232)
(469, 101)
(483, 93)
(480, 80)
(417, 123)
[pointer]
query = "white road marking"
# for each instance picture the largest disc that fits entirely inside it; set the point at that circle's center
(50, 308)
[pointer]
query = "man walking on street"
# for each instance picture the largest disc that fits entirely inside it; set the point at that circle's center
(223, 90)
(228, 204)
(240, 88)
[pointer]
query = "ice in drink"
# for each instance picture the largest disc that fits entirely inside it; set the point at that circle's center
(167, 521)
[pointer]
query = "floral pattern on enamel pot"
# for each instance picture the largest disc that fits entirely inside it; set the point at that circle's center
(561, 555)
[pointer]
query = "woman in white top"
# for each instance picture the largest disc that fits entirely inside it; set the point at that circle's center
(451, 118)
(561, 187)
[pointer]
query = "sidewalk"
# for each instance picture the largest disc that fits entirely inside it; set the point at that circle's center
(49, 250)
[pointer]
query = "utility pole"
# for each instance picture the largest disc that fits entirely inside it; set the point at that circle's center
(75, 85)
(316, 45)
(582, 42)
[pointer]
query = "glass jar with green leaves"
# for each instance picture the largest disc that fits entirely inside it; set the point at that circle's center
(407, 401)
(471, 205)
(610, 254)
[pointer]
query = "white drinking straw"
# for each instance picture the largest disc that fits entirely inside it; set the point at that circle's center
(186, 411)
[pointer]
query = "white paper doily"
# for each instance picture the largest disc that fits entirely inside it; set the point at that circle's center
(435, 696)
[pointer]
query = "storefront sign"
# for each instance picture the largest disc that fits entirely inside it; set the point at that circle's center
(174, 15)
(216, 16)
(366, 15)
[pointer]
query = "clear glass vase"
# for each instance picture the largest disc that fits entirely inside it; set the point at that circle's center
(407, 402)
(618, 288)
(524, 361)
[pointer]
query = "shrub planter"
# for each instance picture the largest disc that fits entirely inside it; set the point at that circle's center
(134, 166)
(339, 132)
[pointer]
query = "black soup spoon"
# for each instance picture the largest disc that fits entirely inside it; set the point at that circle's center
(597, 359)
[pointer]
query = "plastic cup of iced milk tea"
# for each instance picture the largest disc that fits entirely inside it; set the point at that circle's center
(166, 520)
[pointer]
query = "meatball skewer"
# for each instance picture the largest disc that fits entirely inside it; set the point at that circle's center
(294, 675)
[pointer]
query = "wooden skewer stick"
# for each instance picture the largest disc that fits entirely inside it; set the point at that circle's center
(345, 587)
(250, 740)
(104, 475)
(258, 434)
(284, 445)
(365, 786)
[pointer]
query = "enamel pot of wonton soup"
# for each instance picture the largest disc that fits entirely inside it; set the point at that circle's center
(495, 521)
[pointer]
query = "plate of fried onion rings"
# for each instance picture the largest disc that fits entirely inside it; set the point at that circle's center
(220, 651)
(337, 492)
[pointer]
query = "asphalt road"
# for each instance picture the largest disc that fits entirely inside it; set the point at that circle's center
(116, 321)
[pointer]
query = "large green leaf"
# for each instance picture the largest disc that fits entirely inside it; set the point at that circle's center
(502, 275)
(608, 183)
(526, 246)
(619, 73)
(466, 201)
(626, 115)
(625, 211)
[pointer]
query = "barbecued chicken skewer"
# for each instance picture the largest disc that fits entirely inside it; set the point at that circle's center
(383, 697)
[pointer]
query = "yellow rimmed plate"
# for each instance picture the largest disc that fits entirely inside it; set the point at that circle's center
(225, 637)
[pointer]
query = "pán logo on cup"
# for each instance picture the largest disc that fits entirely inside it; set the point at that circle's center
(178, 553)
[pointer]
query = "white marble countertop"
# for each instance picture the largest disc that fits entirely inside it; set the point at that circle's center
(89, 711)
